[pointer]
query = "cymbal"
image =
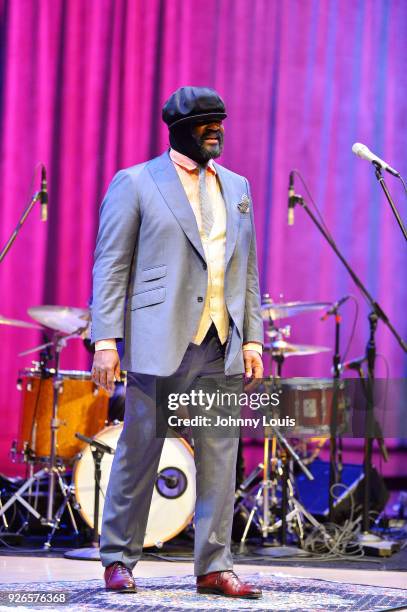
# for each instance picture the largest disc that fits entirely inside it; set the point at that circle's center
(17, 323)
(278, 332)
(61, 318)
(289, 309)
(281, 347)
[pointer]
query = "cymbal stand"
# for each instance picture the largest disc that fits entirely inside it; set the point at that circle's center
(67, 492)
(271, 468)
(265, 497)
(53, 471)
(20, 496)
(59, 343)
(288, 496)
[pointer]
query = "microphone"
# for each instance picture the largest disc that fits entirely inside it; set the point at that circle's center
(363, 152)
(291, 199)
(354, 364)
(335, 307)
(44, 195)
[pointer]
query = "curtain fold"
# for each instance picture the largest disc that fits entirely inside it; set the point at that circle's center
(82, 86)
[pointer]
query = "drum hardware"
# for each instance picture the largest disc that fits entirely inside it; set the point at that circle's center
(171, 498)
(26, 489)
(59, 343)
(310, 402)
(275, 467)
(40, 347)
(68, 495)
(78, 334)
(53, 463)
(3, 515)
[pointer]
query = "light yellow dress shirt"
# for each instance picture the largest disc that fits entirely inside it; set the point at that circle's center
(214, 310)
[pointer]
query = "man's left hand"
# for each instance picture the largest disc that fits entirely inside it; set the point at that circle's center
(253, 364)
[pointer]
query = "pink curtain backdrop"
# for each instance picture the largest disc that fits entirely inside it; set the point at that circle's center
(82, 86)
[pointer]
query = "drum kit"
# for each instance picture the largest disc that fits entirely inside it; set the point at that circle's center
(64, 418)
(64, 432)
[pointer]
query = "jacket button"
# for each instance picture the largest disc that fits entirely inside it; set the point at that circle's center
(204, 266)
(199, 298)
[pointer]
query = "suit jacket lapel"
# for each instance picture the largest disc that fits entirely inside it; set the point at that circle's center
(168, 182)
(232, 213)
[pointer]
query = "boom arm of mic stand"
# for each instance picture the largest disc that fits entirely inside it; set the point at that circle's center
(26, 212)
(375, 306)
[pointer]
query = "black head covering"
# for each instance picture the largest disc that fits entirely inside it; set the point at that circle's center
(186, 107)
(192, 104)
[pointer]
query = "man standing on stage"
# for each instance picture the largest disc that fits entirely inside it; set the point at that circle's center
(176, 275)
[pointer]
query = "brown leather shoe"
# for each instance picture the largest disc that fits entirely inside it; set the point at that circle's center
(119, 578)
(228, 584)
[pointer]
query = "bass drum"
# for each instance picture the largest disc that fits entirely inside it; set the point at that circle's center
(173, 501)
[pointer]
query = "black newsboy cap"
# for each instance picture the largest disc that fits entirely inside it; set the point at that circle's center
(193, 104)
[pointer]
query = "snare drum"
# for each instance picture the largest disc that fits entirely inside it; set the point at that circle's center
(82, 407)
(173, 501)
(309, 402)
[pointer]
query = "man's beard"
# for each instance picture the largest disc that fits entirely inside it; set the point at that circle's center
(183, 139)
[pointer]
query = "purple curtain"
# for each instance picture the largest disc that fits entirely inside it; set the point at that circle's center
(82, 86)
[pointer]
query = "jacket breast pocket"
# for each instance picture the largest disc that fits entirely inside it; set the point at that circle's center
(147, 298)
(149, 274)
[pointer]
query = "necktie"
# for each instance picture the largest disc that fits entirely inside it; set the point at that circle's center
(205, 203)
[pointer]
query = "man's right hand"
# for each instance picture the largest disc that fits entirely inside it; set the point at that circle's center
(106, 368)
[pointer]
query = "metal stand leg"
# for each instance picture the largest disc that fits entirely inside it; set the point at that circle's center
(18, 495)
(67, 492)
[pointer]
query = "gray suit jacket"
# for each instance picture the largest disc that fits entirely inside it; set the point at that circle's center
(150, 274)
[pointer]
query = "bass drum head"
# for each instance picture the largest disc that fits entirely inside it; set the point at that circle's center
(173, 502)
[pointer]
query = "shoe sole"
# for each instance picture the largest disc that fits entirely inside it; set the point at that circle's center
(208, 591)
(110, 590)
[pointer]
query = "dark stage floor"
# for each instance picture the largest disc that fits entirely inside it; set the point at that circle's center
(180, 549)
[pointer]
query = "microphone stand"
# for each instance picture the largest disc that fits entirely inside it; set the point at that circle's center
(375, 314)
(35, 198)
(379, 176)
(376, 308)
(334, 473)
(98, 449)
